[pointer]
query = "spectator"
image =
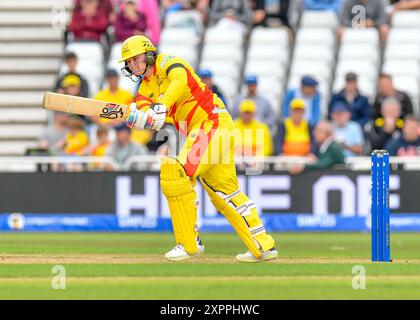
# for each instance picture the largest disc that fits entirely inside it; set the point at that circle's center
(207, 78)
(408, 144)
(265, 112)
(333, 5)
(252, 138)
(106, 6)
(258, 12)
(348, 134)
(277, 13)
(329, 153)
(70, 60)
(355, 102)
(386, 89)
(103, 143)
(90, 22)
(129, 22)
(294, 137)
(123, 147)
(76, 140)
(387, 126)
(53, 136)
(71, 85)
(374, 17)
(150, 9)
(308, 91)
(230, 14)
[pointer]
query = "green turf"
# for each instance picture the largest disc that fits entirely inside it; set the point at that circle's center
(311, 266)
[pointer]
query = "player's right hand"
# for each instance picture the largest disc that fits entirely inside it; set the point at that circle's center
(136, 118)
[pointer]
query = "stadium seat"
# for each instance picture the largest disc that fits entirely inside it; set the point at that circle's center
(316, 36)
(360, 67)
(319, 69)
(265, 68)
(23, 115)
(32, 65)
(27, 18)
(16, 148)
(179, 36)
(404, 35)
(230, 52)
(43, 49)
(214, 36)
(91, 51)
(319, 19)
(359, 52)
(21, 131)
(406, 19)
(272, 52)
(366, 85)
(30, 34)
(358, 36)
(266, 36)
(189, 54)
(408, 84)
(27, 82)
(402, 51)
(20, 99)
(316, 52)
(221, 68)
(402, 68)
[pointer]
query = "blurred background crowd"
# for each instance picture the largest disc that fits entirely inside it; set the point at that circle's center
(318, 78)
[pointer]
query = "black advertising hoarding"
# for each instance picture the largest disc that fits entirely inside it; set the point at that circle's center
(321, 193)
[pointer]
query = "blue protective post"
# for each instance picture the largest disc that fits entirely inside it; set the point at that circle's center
(387, 225)
(380, 217)
(374, 206)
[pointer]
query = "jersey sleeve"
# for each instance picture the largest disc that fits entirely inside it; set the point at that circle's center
(175, 69)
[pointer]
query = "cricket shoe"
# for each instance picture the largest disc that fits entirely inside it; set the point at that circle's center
(248, 257)
(179, 253)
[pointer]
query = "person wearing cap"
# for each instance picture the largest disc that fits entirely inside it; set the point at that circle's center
(347, 133)
(71, 85)
(123, 147)
(113, 93)
(294, 136)
(172, 93)
(265, 112)
(252, 137)
(207, 77)
(309, 93)
(356, 103)
(70, 59)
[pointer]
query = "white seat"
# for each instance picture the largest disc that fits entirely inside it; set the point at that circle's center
(356, 36)
(319, 19)
(30, 115)
(268, 85)
(43, 49)
(402, 51)
(359, 52)
(27, 18)
(21, 131)
(215, 52)
(316, 52)
(406, 19)
(319, 69)
(10, 148)
(91, 51)
(179, 36)
(221, 68)
(408, 84)
(403, 35)
(271, 52)
(214, 36)
(115, 53)
(37, 34)
(316, 36)
(402, 68)
(185, 52)
(20, 98)
(261, 35)
(360, 67)
(44, 65)
(265, 68)
(27, 82)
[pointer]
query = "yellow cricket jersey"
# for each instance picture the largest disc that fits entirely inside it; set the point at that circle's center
(76, 143)
(297, 140)
(120, 96)
(100, 149)
(175, 84)
(252, 139)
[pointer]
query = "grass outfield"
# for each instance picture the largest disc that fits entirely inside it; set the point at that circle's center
(131, 266)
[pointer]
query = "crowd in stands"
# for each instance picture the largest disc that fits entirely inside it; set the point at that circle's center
(354, 124)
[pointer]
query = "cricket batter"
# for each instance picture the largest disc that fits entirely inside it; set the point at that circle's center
(170, 89)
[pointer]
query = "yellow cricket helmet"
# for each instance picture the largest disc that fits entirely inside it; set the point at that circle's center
(134, 46)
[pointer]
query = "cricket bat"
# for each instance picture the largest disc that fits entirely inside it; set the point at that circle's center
(87, 107)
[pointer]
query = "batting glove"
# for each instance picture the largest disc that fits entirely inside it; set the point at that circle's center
(156, 116)
(137, 118)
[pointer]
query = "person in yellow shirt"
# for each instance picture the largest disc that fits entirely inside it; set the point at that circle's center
(171, 92)
(100, 148)
(294, 136)
(252, 137)
(112, 93)
(76, 140)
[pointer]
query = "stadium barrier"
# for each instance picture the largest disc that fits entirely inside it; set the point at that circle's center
(331, 200)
